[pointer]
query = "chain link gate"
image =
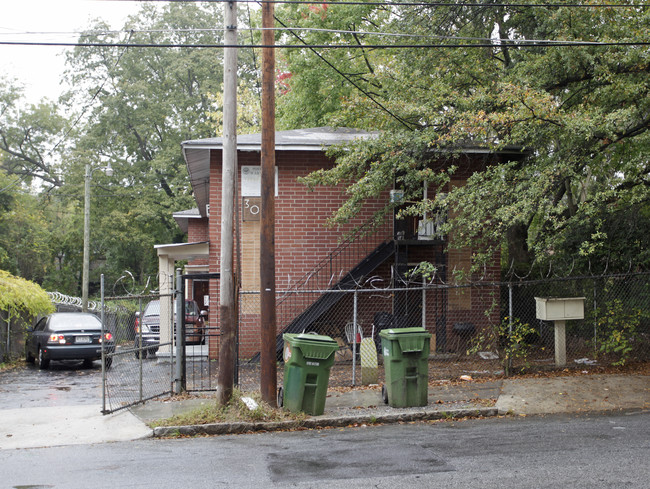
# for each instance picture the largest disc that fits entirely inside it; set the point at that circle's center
(143, 363)
(198, 371)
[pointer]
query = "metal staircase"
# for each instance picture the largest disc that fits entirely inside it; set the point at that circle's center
(305, 302)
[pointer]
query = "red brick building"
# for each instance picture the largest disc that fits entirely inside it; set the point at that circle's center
(313, 257)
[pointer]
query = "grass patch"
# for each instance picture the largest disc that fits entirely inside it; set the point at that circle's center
(235, 411)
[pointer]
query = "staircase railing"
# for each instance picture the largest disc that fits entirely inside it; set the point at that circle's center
(330, 270)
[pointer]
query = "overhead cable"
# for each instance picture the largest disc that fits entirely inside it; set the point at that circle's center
(510, 42)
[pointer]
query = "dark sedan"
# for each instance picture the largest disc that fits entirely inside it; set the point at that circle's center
(68, 336)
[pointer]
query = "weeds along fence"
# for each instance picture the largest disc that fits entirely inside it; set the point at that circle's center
(476, 328)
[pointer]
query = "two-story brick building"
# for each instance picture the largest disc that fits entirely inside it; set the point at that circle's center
(312, 257)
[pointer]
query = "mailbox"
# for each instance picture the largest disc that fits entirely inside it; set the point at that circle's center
(560, 308)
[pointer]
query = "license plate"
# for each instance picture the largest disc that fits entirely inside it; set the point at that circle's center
(82, 339)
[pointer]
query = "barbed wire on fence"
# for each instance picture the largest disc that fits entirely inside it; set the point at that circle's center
(547, 270)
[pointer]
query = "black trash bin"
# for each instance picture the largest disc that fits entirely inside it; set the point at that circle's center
(382, 320)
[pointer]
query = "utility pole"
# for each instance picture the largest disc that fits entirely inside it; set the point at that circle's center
(85, 271)
(228, 169)
(268, 367)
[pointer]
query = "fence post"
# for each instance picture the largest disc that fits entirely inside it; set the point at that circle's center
(354, 338)
(509, 325)
(140, 319)
(8, 351)
(179, 384)
(101, 282)
(595, 320)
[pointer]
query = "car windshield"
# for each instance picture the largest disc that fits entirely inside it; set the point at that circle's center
(70, 322)
(153, 308)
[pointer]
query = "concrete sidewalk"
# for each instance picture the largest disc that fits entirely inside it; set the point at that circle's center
(39, 427)
(66, 425)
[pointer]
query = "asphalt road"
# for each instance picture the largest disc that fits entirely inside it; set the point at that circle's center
(595, 451)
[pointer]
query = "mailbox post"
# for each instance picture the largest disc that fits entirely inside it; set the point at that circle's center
(559, 310)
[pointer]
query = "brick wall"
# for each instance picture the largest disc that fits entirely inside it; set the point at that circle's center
(302, 240)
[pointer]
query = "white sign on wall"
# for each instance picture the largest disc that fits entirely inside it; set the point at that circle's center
(251, 181)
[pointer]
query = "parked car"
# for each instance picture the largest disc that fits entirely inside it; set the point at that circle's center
(147, 327)
(68, 336)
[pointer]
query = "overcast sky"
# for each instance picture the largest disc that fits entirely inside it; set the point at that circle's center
(39, 69)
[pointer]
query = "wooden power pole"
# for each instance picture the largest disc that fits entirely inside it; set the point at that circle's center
(229, 165)
(268, 377)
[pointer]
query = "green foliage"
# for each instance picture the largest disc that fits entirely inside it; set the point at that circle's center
(577, 114)
(139, 104)
(510, 340)
(618, 330)
(20, 296)
(31, 142)
(24, 237)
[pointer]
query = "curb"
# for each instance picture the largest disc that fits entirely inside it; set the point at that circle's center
(320, 422)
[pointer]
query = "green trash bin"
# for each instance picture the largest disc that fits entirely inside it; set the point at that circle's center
(308, 358)
(406, 366)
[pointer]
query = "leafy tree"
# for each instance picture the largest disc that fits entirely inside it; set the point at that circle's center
(24, 240)
(579, 113)
(32, 138)
(137, 106)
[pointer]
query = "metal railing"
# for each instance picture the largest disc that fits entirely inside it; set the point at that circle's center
(327, 273)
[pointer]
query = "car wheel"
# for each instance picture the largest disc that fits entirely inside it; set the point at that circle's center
(29, 358)
(152, 351)
(43, 362)
(108, 361)
(87, 363)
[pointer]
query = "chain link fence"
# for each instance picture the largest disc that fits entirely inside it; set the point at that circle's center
(477, 329)
(12, 335)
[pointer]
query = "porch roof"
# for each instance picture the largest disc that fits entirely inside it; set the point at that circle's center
(184, 251)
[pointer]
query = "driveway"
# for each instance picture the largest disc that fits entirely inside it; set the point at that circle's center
(63, 384)
(59, 406)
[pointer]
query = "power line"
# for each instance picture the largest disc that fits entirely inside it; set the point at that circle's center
(220, 29)
(349, 79)
(407, 4)
(83, 34)
(6, 189)
(87, 106)
(511, 43)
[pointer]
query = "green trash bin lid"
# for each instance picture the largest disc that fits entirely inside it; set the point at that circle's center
(394, 333)
(409, 339)
(312, 345)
